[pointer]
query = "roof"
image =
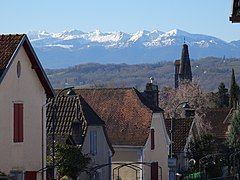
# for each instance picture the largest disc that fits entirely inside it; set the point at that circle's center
(68, 109)
(181, 130)
(9, 47)
(216, 117)
(127, 114)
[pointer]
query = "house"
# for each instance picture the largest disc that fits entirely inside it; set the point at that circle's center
(184, 130)
(24, 88)
(136, 129)
(78, 124)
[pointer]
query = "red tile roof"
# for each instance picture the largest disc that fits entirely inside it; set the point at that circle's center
(8, 45)
(125, 111)
(181, 130)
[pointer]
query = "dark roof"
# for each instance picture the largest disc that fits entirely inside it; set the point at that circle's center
(216, 118)
(181, 130)
(9, 46)
(69, 109)
(126, 112)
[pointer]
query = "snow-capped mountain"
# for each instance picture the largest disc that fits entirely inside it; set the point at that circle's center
(57, 50)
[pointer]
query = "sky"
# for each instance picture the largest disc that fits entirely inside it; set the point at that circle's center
(209, 17)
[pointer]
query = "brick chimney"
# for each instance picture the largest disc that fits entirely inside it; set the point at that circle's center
(151, 92)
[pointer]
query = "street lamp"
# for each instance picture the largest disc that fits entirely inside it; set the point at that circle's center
(54, 116)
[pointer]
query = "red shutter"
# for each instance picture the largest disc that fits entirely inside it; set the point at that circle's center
(18, 123)
(30, 175)
(152, 139)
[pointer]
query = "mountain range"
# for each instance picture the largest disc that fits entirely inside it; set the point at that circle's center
(69, 48)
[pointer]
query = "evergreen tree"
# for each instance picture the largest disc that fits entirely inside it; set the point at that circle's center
(223, 97)
(233, 91)
(234, 134)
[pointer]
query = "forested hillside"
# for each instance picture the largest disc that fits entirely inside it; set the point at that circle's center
(208, 72)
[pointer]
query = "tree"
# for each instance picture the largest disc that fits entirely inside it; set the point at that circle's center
(233, 91)
(223, 97)
(234, 133)
(200, 147)
(169, 98)
(69, 160)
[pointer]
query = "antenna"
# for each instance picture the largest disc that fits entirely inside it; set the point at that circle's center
(184, 39)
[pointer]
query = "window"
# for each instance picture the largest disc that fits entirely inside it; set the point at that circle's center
(93, 142)
(152, 139)
(14, 174)
(18, 122)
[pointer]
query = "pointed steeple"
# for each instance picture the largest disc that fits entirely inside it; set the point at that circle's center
(183, 67)
(185, 71)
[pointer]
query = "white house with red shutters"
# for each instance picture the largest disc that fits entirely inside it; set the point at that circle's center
(24, 88)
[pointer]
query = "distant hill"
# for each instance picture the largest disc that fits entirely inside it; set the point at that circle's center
(208, 72)
(61, 50)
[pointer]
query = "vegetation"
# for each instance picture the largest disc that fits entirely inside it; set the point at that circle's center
(234, 134)
(223, 96)
(207, 72)
(69, 160)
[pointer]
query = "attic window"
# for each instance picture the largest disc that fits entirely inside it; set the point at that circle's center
(18, 69)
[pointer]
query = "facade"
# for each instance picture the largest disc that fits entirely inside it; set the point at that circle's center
(136, 129)
(78, 124)
(183, 70)
(24, 89)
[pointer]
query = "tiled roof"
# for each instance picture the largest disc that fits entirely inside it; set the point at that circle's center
(181, 130)
(8, 45)
(125, 111)
(216, 118)
(69, 109)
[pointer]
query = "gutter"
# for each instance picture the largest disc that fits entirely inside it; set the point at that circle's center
(44, 137)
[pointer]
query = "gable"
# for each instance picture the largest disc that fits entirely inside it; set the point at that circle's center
(9, 48)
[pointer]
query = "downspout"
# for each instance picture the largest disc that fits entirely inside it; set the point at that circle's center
(44, 137)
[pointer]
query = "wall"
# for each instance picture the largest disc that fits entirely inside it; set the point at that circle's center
(160, 152)
(103, 151)
(26, 156)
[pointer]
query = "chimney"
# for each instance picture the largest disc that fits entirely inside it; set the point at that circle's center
(151, 92)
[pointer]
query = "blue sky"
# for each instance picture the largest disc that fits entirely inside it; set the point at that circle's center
(210, 17)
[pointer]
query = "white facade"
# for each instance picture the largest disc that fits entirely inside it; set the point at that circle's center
(25, 89)
(96, 146)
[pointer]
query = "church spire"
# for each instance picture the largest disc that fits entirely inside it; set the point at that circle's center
(183, 67)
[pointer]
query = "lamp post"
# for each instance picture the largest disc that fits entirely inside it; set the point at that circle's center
(172, 161)
(54, 117)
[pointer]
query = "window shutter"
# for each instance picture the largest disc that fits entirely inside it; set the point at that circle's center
(30, 175)
(152, 139)
(15, 136)
(18, 123)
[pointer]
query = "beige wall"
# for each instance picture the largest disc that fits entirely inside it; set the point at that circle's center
(103, 151)
(26, 156)
(127, 154)
(160, 152)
